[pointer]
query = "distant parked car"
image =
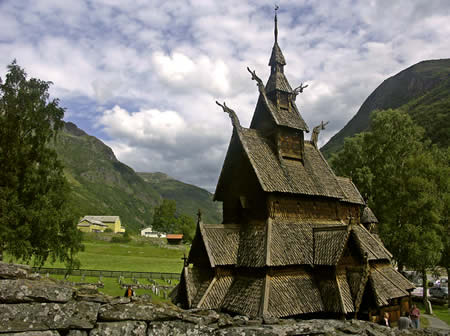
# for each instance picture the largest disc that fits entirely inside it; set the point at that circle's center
(439, 292)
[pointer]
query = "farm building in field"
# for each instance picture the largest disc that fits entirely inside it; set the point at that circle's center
(174, 238)
(291, 242)
(148, 232)
(100, 224)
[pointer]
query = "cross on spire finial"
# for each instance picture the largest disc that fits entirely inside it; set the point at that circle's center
(276, 24)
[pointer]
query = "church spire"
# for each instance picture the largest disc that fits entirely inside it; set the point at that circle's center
(277, 81)
(276, 24)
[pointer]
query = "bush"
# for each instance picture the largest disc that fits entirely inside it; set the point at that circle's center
(121, 239)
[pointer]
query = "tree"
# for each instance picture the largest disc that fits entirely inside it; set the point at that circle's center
(164, 219)
(397, 169)
(186, 225)
(34, 220)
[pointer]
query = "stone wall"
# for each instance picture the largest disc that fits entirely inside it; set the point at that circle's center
(43, 307)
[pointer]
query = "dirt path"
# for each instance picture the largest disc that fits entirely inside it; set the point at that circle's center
(437, 323)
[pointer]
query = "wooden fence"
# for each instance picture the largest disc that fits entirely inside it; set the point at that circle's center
(108, 274)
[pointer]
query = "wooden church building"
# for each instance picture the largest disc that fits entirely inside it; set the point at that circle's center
(292, 241)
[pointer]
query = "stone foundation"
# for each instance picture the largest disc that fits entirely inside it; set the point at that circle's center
(30, 306)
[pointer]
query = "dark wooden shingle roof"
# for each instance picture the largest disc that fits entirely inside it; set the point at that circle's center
(196, 281)
(244, 296)
(344, 291)
(285, 235)
(278, 81)
(329, 243)
(388, 284)
(368, 216)
(216, 292)
(277, 56)
(221, 242)
(369, 245)
(314, 177)
(293, 294)
(351, 193)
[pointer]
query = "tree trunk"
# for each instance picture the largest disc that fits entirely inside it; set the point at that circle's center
(425, 290)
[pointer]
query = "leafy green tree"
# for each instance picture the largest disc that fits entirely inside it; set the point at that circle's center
(167, 220)
(186, 225)
(398, 170)
(34, 221)
(164, 218)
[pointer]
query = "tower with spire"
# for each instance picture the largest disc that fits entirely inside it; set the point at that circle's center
(291, 242)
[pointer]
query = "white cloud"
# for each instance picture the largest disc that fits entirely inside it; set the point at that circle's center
(168, 61)
(183, 73)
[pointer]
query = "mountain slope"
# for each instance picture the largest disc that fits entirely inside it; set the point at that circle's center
(189, 198)
(397, 91)
(102, 185)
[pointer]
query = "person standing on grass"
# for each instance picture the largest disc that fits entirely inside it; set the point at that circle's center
(415, 316)
(404, 322)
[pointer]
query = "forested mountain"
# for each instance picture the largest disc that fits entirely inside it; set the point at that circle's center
(102, 185)
(422, 90)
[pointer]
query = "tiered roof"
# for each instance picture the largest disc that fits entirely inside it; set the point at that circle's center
(285, 263)
(312, 177)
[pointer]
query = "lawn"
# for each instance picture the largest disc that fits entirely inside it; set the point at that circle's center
(442, 312)
(141, 255)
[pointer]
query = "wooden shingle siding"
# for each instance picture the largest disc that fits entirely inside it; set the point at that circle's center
(252, 242)
(293, 294)
(244, 296)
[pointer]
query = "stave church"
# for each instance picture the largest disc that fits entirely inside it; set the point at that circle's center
(296, 240)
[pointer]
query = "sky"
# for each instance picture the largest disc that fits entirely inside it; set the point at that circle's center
(143, 76)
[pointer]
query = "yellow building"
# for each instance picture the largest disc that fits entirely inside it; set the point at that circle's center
(100, 224)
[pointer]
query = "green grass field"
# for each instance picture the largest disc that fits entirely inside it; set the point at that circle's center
(140, 255)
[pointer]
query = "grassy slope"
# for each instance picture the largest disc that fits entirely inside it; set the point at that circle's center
(396, 91)
(189, 198)
(102, 185)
